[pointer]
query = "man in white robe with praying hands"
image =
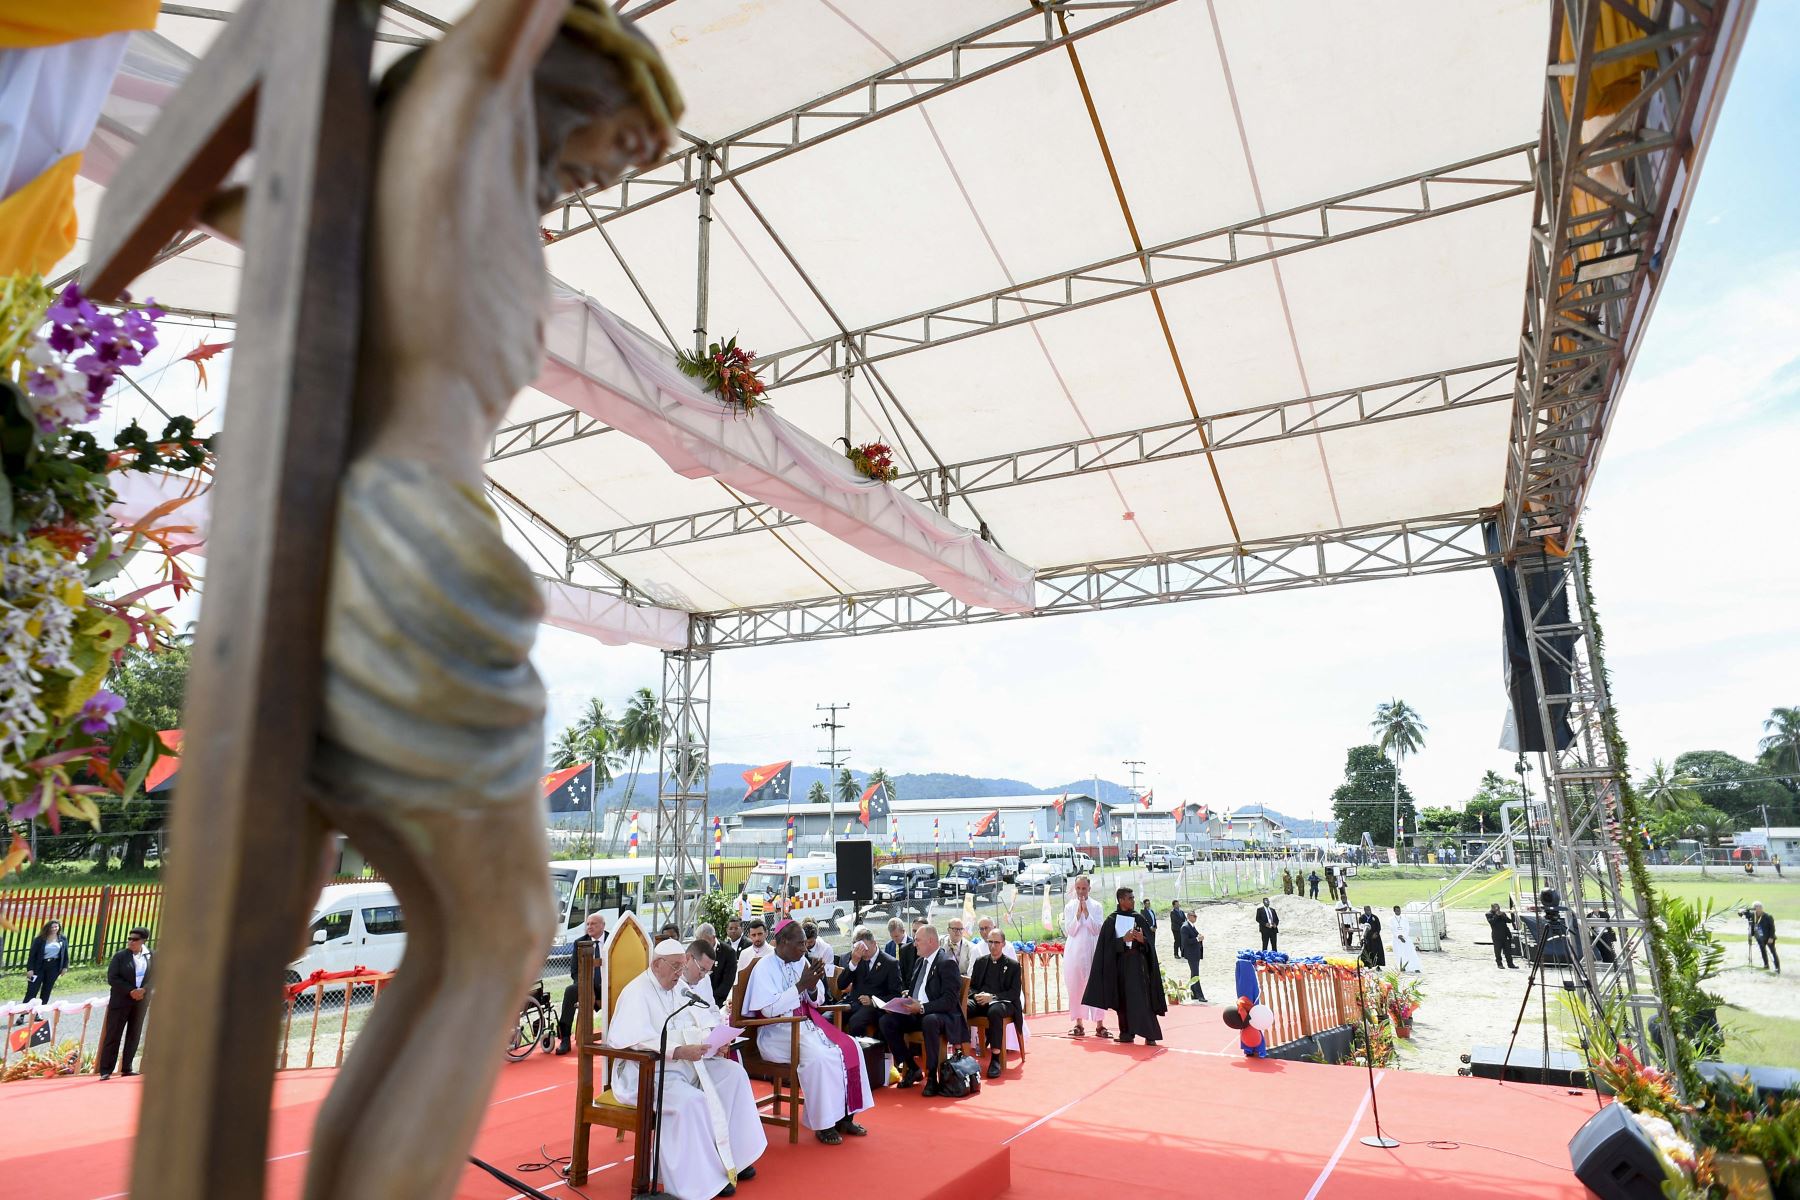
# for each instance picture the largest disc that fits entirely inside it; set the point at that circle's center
(709, 1135)
(832, 1078)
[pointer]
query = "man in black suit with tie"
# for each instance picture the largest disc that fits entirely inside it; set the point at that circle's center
(593, 933)
(1268, 923)
(128, 975)
(932, 1006)
(994, 994)
(734, 935)
(1192, 944)
(870, 980)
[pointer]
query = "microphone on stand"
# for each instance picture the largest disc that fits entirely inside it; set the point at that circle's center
(662, 1054)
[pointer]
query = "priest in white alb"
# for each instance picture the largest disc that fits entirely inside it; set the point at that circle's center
(831, 1073)
(1081, 934)
(709, 1135)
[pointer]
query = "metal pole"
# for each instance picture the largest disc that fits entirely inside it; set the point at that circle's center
(702, 284)
(832, 725)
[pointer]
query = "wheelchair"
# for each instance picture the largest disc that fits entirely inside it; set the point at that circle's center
(536, 1027)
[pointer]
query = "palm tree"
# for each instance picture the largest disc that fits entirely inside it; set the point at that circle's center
(880, 775)
(640, 731)
(817, 794)
(1710, 824)
(848, 792)
(567, 750)
(1669, 792)
(1783, 743)
(1399, 731)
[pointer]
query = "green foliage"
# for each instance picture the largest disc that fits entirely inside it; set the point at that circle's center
(817, 794)
(1437, 820)
(1695, 956)
(1781, 747)
(1363, 803)
(1735, 787)
(714, 909)
(848, 790)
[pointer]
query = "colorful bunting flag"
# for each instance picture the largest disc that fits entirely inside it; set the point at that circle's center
(631, 850)
(770, 784)
(719, 844)
(788, 858)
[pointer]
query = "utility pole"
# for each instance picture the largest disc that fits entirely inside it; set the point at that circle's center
(1137, 799)
(831, 725)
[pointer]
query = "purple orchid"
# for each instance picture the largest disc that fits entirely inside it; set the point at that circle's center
(98, 713)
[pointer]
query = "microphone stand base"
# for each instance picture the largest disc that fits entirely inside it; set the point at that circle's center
(1376, 1139)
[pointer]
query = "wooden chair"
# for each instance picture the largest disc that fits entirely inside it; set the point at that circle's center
(783, 1078)
(627, 957)
(992, 1043)
(918, 1039)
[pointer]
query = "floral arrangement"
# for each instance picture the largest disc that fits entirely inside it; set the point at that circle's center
(1400, 998)
(65, 1059)
(728, 371)
(60, 729)
(873, 460)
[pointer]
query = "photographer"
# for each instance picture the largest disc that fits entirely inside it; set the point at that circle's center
(1762, 929)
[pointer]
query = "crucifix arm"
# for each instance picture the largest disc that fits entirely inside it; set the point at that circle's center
(512, 34)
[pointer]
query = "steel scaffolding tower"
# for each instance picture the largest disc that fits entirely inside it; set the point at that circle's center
(682, 776)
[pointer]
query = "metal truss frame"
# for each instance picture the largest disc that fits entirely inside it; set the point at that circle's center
(1580, 807)
(1026, 34)
(683, 769)
(1430, 546)
(1419, 395)
(1368, 210)
(1609, 193)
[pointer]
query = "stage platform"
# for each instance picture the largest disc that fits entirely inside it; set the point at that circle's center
(1190, 1117)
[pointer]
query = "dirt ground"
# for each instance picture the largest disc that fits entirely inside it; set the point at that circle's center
(1468, 1001)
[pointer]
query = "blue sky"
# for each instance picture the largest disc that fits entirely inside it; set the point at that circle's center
(1693, 525)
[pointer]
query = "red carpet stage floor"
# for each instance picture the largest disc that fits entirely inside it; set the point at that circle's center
(1188, 1118)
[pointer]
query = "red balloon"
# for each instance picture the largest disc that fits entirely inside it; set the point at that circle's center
(1251, 1037)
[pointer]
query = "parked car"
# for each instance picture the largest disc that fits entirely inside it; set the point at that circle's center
(971, 875)
(1043, 877)
(905, 883)
(1185, 852)
(1084, 864)
(1009, 866)
(1159, 858)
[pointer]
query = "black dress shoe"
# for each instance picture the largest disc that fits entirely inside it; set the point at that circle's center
(912, 1076)
(108, 1075)
(126, 1074)
(931, 1089)
(562, 1046)
(993, 1071)
(747, 1174)
(729, 1189)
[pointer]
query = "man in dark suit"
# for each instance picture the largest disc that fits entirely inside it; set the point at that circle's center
(870, 980)
(725, 959)
(932, 1005)
(994, 994)
(594, 934)
(1762, 930)
(1268, 923)
(1193, 948)
(1177, 922)
(128, 975)
(734, 935)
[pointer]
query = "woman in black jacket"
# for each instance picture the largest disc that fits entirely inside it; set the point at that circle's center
(49, 956)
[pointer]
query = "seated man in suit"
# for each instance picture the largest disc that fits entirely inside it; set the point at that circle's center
(869, 980)
(932, 1006)
(897, 939)
(994, 994)
(594, 932)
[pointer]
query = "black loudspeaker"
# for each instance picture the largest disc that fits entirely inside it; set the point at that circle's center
(856, 871)
(1527, 1066)
(1615, 1158)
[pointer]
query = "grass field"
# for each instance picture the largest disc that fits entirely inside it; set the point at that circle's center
(1753, 1038)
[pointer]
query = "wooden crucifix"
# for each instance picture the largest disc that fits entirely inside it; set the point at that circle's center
(362, 662)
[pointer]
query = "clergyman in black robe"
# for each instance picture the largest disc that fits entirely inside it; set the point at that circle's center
(1126, 976)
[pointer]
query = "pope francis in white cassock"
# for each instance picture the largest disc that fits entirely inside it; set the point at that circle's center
(710, 1133)
(831, 1065)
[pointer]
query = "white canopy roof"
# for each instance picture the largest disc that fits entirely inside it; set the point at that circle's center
(956, 255)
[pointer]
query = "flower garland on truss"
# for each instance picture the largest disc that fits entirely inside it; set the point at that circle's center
(60, 631)
(728, 371)
(872, 460)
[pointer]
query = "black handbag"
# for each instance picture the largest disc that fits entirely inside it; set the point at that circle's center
(959, 1076)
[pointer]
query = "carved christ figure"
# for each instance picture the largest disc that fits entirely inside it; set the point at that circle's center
(432, 726)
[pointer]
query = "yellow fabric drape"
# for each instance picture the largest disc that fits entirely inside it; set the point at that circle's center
(37, 222)
(1611, 86)
(26, 23)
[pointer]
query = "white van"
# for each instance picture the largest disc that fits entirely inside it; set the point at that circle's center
(805, 889)
(611, 886)
(1060, 854)
(353, 925)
